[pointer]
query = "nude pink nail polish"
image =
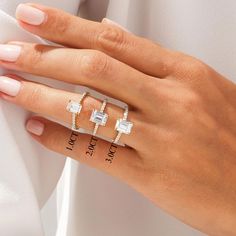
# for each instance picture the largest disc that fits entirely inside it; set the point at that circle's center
(35, 127)
(9, 86)
(9, 52)
(30, 15)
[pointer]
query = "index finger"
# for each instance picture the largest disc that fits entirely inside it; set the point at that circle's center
(63, 28)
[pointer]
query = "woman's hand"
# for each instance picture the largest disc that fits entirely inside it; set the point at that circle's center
(181, 153)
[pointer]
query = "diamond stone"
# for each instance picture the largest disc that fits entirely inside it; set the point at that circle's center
(124, 126)
(74, 107)
(99, 117)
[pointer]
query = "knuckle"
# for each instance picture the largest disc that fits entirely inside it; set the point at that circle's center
(58, 22)
(34, 97)
(199, 69)
(94, 65)
(32, 56)
(110, 39)
(192, 102)
(191, 69)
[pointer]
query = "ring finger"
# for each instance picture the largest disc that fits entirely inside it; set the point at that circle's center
(122, 162)
(52, 102)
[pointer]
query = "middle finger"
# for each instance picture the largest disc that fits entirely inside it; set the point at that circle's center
(90, 68)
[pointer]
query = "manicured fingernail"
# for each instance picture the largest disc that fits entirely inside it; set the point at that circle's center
(108, 21)
(35, 127)
(9, 86)
(30, 15)
(9, 52)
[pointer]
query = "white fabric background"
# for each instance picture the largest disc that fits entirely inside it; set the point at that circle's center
(28, 172)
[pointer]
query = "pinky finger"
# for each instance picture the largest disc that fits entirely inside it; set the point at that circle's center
(122, 162)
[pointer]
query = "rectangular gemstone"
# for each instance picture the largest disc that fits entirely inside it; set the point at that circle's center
(124, 126)
(99, 117)
(74, 107)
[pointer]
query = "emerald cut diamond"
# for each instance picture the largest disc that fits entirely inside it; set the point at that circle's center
(74, 107)
(99, 117)
(123, 126)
